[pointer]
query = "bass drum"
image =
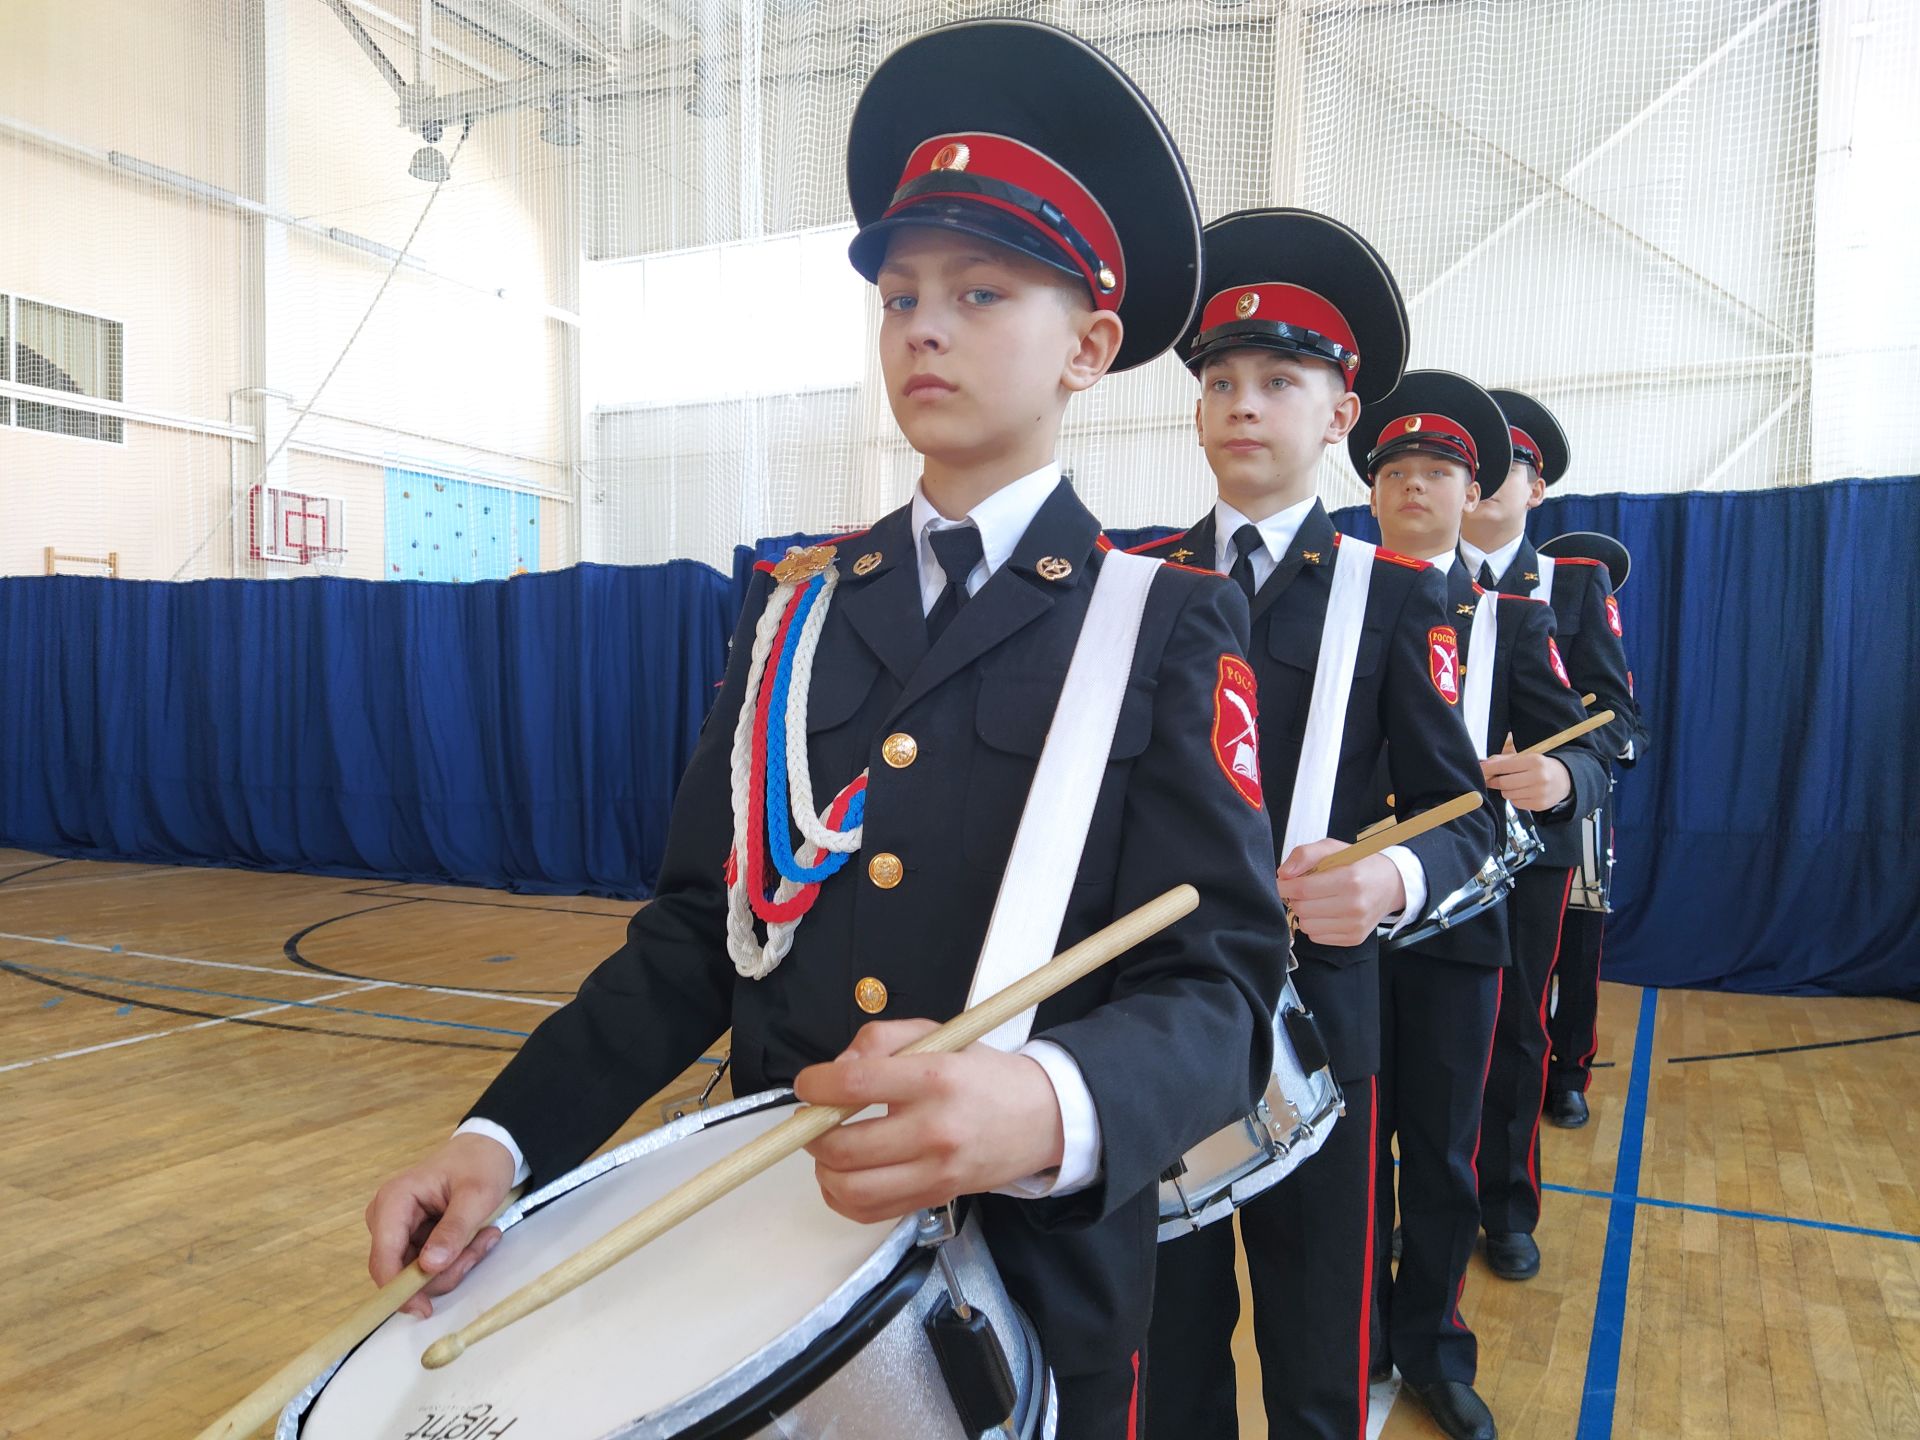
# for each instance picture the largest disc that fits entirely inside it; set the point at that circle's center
(765, 1314)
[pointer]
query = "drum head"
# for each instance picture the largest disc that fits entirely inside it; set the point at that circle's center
(663, 1339)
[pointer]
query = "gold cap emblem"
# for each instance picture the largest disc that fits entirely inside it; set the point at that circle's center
(803, 564)
(1413, 423)
(866, 563)
(1053, 567)
(952, 157)
(1247, 304)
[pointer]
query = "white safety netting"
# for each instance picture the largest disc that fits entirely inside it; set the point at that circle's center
(248, 331)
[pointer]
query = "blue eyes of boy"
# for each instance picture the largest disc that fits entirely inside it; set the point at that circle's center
(977, 295)
(1276, 382)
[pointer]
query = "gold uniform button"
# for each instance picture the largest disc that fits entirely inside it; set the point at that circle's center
(870, 995)
(900, 750)
(885, 871)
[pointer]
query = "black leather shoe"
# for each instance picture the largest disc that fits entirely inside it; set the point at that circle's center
(1567, 1109)
(1513, 1257)
(1457, 1410)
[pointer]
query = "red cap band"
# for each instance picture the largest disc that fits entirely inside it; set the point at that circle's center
(1011, 163)
(1417, 429)
(1524, 441)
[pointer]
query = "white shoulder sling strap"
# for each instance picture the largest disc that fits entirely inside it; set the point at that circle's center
(1032, 903)
(1477, 704)
(1543, 588)
(1312, 808)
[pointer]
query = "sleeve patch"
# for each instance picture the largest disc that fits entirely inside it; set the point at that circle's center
(1613, 617)
(1236, 728)
(1559, 665)
(1443, 662)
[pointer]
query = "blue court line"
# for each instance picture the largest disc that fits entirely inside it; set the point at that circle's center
(1738, 1214)
(1616, 1265)
(265, 999)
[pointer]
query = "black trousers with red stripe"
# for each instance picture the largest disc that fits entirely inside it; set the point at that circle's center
(1103, 1406)
(1517, 1077)
(1437, 1018)
(1575, 1026)
(1309, 1254)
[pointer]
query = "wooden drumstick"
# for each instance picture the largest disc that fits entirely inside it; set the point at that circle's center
(1376, 838)
(810, 1122)
(1587, 700)
(271, 1396)
(1572, 732)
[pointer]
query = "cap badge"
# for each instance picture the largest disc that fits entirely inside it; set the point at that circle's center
(1053, 567)
(803, 564)
(1413, 423)
(1247, 304)
(952, 157)
(866, 563)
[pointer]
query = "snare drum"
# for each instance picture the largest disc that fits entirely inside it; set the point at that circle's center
(765, 1314)
(1291, 1123)
(1520, 846)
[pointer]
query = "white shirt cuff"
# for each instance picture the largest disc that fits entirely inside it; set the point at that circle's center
(1414, 877)
(500, 1137)
(1079, 1122)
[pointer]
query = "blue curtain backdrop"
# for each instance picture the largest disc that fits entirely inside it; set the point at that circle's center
(526, 733)
(529, 733)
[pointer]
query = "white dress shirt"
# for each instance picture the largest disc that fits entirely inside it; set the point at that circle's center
(1276, 536)
(1002, 518)
(1497, 562)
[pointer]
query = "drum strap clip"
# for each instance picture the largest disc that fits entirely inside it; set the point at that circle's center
(969, 1353)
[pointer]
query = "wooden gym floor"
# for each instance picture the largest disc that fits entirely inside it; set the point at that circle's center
(204, 1073)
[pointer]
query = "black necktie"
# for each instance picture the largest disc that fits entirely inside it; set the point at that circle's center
(1486, 576)
(1246, 540)
(959, 551)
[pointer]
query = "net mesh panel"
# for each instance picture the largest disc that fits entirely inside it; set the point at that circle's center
(622, 328)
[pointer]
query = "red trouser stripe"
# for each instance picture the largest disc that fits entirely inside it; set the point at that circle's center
(1546, 1053)
(1133, 1402)
(1366, 1280)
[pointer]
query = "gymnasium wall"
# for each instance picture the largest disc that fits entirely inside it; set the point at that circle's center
(461, 370)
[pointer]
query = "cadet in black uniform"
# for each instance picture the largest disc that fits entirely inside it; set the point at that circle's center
(1575, 1014)
(1303, 325)
(1029, 225)
(1437, 443)
(1493, 546)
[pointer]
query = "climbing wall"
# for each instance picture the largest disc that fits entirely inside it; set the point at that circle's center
(440, 529)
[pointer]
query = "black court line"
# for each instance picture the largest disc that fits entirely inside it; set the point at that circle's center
(386, 892)
(1795, 1049)
(73, 989)
(291, 949)
(35, 870)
